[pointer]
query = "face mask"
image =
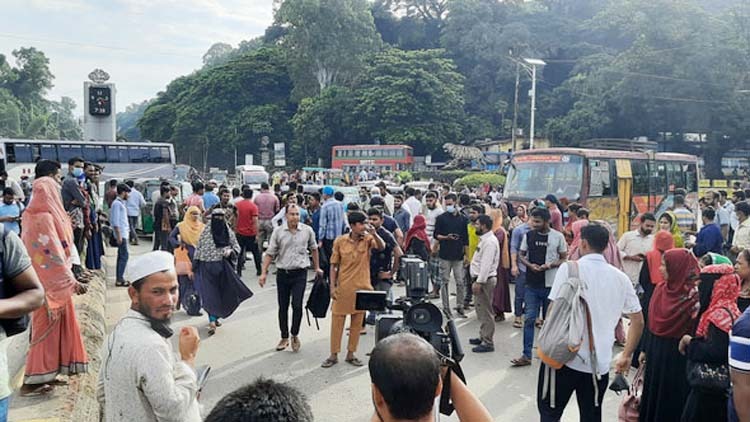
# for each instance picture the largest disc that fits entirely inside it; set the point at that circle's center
(77, 172)
(450, 209)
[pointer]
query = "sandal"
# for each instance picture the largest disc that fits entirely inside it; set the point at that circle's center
(218, 323)
(354, 361)
(39, 391)
(329, 363)
(522, 361)
(539, 322)
(518, 322)
(122, 283)
(212, 329)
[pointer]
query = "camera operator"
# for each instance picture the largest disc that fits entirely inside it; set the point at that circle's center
(406, 377)
(383, 264)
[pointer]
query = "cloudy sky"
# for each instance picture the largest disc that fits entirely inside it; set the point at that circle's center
(142, 44)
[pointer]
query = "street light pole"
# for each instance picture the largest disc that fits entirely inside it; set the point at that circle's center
(533, 63)
(533, 105)
(515, 109)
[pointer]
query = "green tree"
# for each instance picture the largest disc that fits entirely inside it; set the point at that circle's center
(326, 41)
(410, 97)
(127, 121)
(218, 53)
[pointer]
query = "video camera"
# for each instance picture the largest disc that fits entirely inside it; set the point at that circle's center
(418, 316)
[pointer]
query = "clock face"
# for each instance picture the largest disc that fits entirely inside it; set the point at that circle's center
(100, 101)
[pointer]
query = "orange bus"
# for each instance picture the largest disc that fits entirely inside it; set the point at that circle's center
(616, 186)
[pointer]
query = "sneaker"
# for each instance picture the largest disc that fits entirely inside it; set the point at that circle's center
(483, 348)
(461, 313)
(475, 341)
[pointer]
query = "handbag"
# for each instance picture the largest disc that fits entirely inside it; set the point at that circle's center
(709, 376)
(629, 409)
(182, 263)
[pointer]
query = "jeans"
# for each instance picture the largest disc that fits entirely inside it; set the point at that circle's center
(467, 283)
(251, 244)
(133, 222)
(122, 260)
(161, 241)
(534, 299)
(457, 268)
(566, 382)
(290, 283)
(520, 282)
(4, 404)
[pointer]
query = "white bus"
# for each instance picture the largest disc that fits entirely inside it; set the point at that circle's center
(121, 160)
(252, 175)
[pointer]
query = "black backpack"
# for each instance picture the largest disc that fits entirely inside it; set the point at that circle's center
(318, 301)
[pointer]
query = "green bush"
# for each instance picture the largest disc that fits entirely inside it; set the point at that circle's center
(478, 179)
(405, 176)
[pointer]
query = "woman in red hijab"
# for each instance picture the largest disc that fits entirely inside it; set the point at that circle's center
(417, 242)
(672, 314)
(718, 291)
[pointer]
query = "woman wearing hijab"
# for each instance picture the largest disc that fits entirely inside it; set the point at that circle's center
(220, 288)
(668, 222)
(520, 218)
(417, 242)
(574, 251)
(95, 246)
(501, 297)
(718, 290)
(672, 314)
(186, 235)
(56, 343)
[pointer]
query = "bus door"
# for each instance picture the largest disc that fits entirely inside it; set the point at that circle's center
(602, 199)
(625, 194)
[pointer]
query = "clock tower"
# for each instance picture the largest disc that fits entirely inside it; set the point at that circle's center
(99, 122)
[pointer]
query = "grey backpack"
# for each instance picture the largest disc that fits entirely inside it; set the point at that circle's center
(562, 335)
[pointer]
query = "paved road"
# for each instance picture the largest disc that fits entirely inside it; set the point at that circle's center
(244, 349)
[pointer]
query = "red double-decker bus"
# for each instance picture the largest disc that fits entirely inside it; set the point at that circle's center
(372, 157)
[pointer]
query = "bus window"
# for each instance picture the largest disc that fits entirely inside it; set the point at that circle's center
(658, 178)
(675, 177)
(19, 153)
(139, 154)
(158, 155)
(691, 177)
(94, 153)
(48, 152)
(66, 152)
(117, 154)
(640, 177)
(600, 178)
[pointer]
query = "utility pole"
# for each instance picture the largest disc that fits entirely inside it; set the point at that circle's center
(515, 110)
(533, 63)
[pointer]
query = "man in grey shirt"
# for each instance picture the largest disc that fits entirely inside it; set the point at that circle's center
(289, 245)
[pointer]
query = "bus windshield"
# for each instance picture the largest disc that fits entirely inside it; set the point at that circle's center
(536, 176)
(254, 178)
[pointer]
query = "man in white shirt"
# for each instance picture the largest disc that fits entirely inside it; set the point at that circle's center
(712, 199)
(483, 270)
(412, 203)
(141, 379)
(634, 245)
(609, 294)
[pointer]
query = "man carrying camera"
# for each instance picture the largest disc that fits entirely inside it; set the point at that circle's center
(407, 375)
(484, 278)
(383, 264)
(350, 271)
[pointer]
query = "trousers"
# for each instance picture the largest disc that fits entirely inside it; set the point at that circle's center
(248, 243)
(337, 330)
(290, 284)
(446, 268)
(265, 228)
(520, 287)
(566, 382)
(122, 260)
(484, 312)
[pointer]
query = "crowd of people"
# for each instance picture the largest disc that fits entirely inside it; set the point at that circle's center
(671, 293)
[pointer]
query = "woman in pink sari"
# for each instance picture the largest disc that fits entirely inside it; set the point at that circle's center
(56, 343)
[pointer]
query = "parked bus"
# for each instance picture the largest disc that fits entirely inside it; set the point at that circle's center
(121, 160)
(616, 186)
(251, 175)
(354, 158)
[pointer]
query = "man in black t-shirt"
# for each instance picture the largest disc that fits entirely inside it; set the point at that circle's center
(451, 232)
(383, 264)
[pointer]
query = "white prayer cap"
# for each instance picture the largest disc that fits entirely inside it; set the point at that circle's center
(142, 266)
